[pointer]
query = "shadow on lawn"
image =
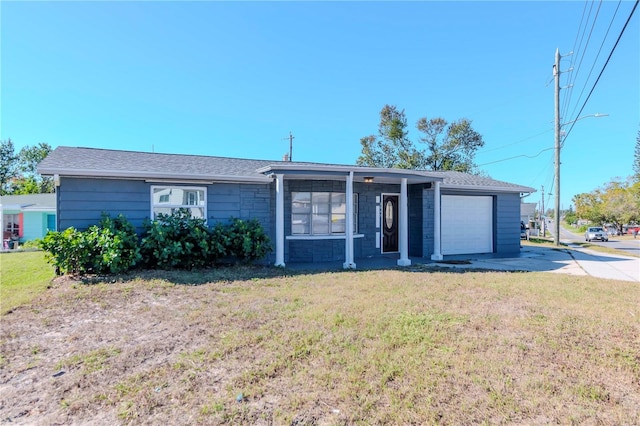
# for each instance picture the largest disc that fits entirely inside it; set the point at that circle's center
(231, 273)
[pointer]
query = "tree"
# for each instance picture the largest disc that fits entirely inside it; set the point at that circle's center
(28, 159)
(617, 203)
(18, 172)
(449, 146)
(589, 206)
(8, 165)
(636, 159)
(393, 147)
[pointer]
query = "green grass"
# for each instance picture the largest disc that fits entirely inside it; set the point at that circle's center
(23, 276)
(265, 346)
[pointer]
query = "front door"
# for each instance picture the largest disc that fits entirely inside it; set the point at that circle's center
(389, 223)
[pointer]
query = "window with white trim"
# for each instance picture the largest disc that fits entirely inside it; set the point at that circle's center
(12, 224)
(321, 213)
(167, 199)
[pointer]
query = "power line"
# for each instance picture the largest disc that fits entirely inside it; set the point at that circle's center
(517, 156)
(518, 142)
(599, 51)
(603, 68)
(566, 103)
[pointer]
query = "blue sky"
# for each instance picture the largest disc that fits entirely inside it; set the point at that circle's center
(234, 78)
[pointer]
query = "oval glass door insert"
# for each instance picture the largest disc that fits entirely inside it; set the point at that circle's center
(388, 214)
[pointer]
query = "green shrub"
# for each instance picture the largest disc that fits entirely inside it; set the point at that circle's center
(171, 241)
(66, 250)
(247, 240)
(179, 241)
(117, 243)
(110, 247)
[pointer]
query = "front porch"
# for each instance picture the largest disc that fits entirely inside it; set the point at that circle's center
(373, 213)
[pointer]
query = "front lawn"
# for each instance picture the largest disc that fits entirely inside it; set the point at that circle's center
(262, 346)
(23, 276)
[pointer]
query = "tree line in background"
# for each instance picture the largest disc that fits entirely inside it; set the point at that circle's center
(18, 171)
(616, 203)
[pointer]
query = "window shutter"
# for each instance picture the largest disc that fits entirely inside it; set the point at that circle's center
(20, 225)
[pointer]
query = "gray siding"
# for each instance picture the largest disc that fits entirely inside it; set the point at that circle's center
(81, 202)
(242, 201)
(507, 227)
(416, 220)
(427, 223)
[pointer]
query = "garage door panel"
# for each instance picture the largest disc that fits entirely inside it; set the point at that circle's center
(467, 224)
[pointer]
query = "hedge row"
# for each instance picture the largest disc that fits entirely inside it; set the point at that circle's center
(176, 241)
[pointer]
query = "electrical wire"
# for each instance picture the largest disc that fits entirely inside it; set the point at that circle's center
(518, 142)
(584, 50)
(517, 156)
(574, 52)
(598, 54)
(602, 71)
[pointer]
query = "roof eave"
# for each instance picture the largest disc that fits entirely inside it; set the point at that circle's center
(359, 170)
(87, 173)
(489, 188)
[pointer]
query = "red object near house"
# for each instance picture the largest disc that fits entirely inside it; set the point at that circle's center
(633, 229)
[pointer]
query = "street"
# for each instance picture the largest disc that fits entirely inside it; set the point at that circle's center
(624, 244)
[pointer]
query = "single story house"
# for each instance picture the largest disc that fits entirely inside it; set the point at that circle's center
(528, 212)
(26, 217)
(313, 212)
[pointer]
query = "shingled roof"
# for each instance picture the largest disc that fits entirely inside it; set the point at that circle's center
(94, 162)
(465, 180)
(70, 161)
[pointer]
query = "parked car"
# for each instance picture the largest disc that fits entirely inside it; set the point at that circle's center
(524, 234)
(596, 233)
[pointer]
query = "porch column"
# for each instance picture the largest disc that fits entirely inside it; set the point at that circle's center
(404, 225)
(348, 244)
(437, 250)
(279, 220)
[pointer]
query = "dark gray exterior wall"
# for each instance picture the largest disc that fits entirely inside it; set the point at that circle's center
(310, 250)
(507, 226)
(427, 222)
(416, 220)
(82, 201)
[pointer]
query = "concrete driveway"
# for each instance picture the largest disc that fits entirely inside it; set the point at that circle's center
(562, 260)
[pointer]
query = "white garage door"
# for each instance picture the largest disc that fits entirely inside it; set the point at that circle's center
(467, 224)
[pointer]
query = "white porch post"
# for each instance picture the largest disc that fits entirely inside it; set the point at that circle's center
(404, 225)
(348, 244)
(279, 220)
(437, 250)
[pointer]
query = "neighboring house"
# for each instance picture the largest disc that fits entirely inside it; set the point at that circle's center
(26, 217)
(528, 212)
(528, 217)
(313, 212)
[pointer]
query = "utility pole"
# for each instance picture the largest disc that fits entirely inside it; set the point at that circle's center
(290, 147)
(556, 75)
(544, 233)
